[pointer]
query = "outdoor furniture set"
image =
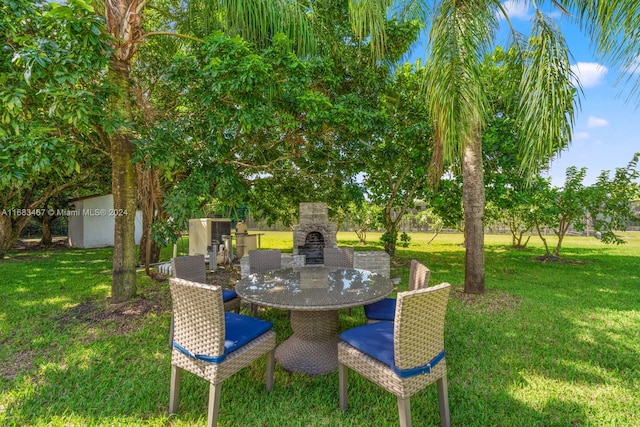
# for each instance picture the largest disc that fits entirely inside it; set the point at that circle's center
(403, 353)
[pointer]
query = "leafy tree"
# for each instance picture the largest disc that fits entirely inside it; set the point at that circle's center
(607, 204)
(124, 23)
(446, 203)
(52, 92)
(341, 139)
(507, 188)
(398, 157)
(609, 201)
(156, 97)
(459, 34)
(300, 134)
(432, 220)
(558, 209)
(243, 132)
(110, 44)
(365, 216)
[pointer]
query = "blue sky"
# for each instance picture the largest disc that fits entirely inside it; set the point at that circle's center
(606, 132)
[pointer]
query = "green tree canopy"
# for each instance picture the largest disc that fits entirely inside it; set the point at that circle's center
(52, 94)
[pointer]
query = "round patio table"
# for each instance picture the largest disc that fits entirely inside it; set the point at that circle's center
(313, 294)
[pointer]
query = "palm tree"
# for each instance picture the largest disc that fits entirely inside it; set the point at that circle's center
(124, 23)
(460, 33)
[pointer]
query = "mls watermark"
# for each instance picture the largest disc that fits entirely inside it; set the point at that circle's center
(64, 212)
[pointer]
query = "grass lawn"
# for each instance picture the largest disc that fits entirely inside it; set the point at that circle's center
(549, 344)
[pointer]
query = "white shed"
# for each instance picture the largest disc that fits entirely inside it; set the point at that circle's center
(92, 222)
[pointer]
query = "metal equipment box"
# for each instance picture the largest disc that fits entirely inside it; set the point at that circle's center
(203, 231)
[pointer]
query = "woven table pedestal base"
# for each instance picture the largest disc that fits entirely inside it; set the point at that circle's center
(313, 347)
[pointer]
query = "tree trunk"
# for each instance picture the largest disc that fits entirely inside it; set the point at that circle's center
(473, 202)
(150, 200)
(45, 224)
(563, 228)
(547, 252)
(124, 189)
(391, 233)
(10, 229)
(11, 226)
(390, 241)
(124, 24)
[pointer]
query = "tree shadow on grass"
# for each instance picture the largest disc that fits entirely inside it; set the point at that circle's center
(501, 357)
(571, 327)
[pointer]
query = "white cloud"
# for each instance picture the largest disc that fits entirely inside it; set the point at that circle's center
(580, 136)
(634, 66)
(589, 74)
(556, 14)
(596, 122)
(516, 9)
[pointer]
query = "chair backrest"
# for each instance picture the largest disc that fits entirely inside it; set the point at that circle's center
(198, 314)
(261, 260)
(338, 257)
(191, 267)
(418, 275)
(418, 334)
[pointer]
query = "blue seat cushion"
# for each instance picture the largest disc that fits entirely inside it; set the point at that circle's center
(381, 310)
(228, 294)
(239, 331)
(376, 341)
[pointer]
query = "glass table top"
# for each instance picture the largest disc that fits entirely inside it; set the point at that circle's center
(314, 288)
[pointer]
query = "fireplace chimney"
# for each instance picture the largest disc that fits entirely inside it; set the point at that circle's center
(314, 233)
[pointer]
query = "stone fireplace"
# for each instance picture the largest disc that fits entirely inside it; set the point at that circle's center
(314, 233)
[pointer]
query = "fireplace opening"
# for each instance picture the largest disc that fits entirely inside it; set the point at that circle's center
(313, 248)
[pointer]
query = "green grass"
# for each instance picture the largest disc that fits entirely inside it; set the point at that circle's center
(549, 344)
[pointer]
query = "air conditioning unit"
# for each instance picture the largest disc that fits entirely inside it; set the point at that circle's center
(204, 231)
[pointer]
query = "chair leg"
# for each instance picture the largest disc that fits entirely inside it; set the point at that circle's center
(171, 332)
(404, 410)
(343, 377)
(214, 404)
(174, 393)
(270, 369)
(443, 401)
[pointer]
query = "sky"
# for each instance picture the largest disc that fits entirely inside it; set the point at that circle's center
(606, 132)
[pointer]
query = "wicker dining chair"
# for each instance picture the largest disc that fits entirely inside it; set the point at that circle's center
(386, 309)
(192, 268)
(261, 260)
(213, 344)
(338, 257)
(403, 356)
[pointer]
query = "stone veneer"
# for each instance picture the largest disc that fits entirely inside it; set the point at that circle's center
(314, 217)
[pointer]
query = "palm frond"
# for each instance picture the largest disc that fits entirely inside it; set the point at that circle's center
(410, 10)
(460, 36)
(199, 17)
(257, 21)
(546, 110)
(614, 27)
(368, 22)
(260, 20)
